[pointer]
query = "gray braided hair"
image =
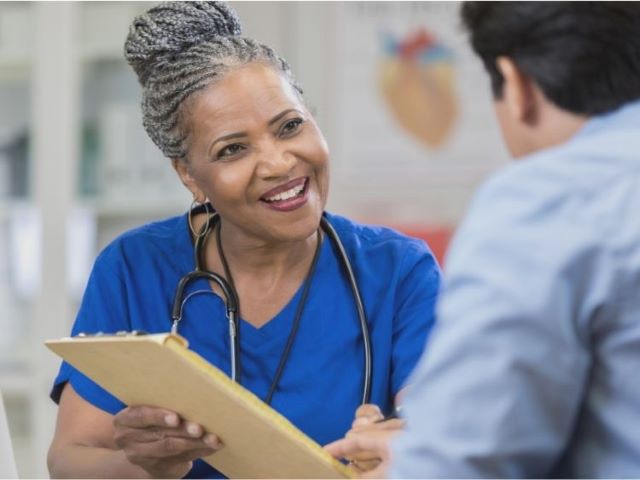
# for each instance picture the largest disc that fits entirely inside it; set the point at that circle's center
(179, 48)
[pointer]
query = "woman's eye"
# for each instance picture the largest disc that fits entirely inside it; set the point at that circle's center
(291, 126)
(230, 150)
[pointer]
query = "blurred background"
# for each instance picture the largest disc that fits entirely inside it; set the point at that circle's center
(402, 101)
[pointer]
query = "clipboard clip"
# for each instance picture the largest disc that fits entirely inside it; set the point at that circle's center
(121, 333)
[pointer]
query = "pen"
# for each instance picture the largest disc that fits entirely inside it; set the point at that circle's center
(395, 413)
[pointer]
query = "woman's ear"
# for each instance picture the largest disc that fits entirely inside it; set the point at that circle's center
(518, 92)
(182, 169)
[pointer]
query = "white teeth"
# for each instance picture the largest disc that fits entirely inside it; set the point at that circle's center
(295, 191)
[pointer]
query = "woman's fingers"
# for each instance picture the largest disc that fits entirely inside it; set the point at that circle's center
(364, 456)
(368, 410)
(392, 424)
(148, 424)
(170, 457)
(367, 451)
(161, 442)
(348, 447)
(170, 448)
(366, 415)
(143, 416)
(361, 466)
(154, 434)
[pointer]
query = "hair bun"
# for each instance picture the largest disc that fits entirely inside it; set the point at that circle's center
(173, 27)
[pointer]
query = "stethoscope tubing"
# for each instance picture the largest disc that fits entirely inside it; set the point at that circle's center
(362, 316)
(232, 303)
(231, 307)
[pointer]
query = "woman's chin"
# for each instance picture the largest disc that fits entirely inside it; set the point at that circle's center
(294, 231)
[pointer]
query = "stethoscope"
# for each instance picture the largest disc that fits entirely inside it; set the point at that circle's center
(232, 302)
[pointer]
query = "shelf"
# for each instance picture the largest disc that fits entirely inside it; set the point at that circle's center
(145, 207)
(9, 204)
(15, 58)
(15, 65)
(16, 40)
(112, 207)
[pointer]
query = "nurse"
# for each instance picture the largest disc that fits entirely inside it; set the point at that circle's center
(228, 113)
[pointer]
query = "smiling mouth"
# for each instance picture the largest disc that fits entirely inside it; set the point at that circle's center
(296, 190)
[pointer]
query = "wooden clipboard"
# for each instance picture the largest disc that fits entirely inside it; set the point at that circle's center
(160, 370)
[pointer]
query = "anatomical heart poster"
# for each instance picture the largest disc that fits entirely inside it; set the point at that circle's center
(414, 103)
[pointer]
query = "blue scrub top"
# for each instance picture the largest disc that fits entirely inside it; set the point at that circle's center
(132, 286)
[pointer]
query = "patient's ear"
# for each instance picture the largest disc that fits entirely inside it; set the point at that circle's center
(518, 92)
(184, 172)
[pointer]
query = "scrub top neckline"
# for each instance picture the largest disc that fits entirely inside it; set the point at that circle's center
(270, 330)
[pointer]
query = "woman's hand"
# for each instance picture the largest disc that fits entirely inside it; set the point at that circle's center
(160, 442)
(369, 422)
(376, 443)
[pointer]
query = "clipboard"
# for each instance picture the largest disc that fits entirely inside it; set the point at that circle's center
(160, 370)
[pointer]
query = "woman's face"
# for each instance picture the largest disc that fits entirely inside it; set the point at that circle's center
(257, 154)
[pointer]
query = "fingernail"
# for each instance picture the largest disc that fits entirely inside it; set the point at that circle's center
(212, 440)
(171, 420)
(362, 421)
(193, 429)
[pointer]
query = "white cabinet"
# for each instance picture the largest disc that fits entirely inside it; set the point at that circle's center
(76, 169)
(16, 309)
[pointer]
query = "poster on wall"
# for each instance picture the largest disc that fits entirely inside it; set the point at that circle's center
(414, 105)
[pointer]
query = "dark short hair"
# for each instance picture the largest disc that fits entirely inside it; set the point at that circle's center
(584, 56)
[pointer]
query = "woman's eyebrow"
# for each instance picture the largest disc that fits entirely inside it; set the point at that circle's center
(282, 114)
(226, 137)
(231, 136)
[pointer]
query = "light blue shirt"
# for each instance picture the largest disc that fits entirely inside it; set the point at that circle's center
(533, 369)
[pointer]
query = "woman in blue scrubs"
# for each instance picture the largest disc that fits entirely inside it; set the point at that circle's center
(228, 113)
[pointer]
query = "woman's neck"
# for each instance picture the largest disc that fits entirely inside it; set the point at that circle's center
(251, 256)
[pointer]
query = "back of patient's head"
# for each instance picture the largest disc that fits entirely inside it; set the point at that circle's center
(584, 56)
(178, 49)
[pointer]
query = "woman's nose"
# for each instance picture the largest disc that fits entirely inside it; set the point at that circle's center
(275, 163)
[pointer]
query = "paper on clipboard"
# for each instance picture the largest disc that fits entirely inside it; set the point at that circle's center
(160, 370)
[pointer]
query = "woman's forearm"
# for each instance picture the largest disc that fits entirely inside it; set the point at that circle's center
(80, 461)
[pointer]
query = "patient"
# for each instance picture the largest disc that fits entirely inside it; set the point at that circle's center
(532, 372)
